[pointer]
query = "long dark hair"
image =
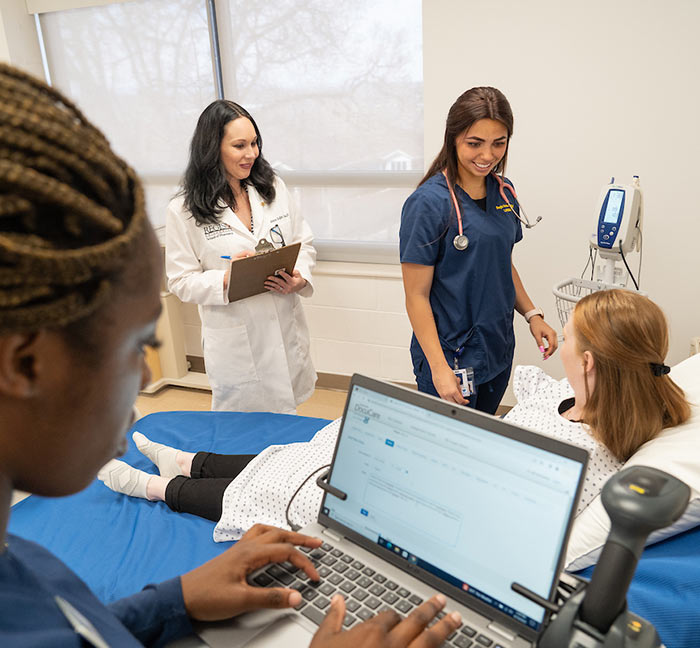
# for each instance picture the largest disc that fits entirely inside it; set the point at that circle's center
(204, 184)
(470, 107)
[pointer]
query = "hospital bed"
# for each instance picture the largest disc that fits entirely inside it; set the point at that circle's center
(119, 544)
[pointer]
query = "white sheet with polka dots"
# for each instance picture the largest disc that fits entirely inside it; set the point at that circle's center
(263, 489)
(539, 397)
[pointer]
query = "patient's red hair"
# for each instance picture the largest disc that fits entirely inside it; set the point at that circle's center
(625, 333)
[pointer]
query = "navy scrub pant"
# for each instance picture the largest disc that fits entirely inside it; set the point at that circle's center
(486, 397)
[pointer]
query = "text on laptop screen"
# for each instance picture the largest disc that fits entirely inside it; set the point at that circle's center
(472, 507)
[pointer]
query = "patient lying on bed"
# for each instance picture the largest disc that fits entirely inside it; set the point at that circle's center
(617, 395)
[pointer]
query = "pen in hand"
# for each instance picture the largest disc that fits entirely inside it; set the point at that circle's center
(240, 255)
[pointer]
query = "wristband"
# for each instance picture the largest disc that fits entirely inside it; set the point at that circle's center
(531, 313)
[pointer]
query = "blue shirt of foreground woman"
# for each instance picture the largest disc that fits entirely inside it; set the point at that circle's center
(79, 300)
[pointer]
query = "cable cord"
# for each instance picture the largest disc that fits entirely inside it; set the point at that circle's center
(622, 254)
(590, 260)
(641, 249)
(292, 526)
(595, 258)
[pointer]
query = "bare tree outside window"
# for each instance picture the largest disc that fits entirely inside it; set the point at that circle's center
(140, 70)
(336, 87)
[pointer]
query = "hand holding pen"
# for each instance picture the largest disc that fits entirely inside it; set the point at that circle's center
(228, 257)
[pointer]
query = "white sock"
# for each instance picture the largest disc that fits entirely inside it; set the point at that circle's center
(161, 455)
(123, 478)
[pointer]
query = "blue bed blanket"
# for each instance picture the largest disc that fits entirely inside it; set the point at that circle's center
(119, 544)
(666, 589)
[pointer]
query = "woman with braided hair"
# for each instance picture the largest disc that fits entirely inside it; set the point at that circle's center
(79, 300)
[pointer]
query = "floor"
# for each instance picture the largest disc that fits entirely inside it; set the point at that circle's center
(324, 403)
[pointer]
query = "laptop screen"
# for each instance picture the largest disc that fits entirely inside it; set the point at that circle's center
(474, 508)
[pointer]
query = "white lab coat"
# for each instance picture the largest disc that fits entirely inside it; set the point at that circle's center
(256, 350)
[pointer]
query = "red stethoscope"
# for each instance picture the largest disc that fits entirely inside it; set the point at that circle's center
(461, 242)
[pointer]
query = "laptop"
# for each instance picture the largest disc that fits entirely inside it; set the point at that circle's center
(428, 496)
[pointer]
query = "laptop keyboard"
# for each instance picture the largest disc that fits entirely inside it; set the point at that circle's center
(366, 592)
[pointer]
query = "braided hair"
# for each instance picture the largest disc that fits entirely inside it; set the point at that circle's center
(71, 211)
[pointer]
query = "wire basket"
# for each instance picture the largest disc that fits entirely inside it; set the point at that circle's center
(568, 292)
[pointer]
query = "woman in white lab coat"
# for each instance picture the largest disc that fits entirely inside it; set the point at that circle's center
(256, 350)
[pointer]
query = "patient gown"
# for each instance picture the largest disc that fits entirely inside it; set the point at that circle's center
(539, 397)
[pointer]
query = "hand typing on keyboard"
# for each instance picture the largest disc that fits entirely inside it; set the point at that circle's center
(226, 586)
(355, 605)
(219, 589)
(387, 629)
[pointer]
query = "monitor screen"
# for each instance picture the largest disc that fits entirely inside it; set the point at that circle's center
(474, 508)
(613, 210)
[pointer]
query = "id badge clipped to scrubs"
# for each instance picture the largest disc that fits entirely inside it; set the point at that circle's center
(466, 380)
(465, 375)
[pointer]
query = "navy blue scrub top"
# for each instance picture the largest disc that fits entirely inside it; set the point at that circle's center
(472, 296)
(30, 577)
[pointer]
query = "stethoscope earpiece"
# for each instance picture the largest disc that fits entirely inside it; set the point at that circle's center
(531, 225)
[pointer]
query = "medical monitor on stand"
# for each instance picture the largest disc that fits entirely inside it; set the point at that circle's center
(618, 230)
(618, 233)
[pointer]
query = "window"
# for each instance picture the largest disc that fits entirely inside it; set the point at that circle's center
(142, 72)
(336, 88)
(337, 91)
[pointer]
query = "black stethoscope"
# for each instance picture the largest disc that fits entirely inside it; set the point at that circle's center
(461, 242)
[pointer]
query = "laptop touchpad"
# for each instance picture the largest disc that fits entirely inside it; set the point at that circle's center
(283, 632)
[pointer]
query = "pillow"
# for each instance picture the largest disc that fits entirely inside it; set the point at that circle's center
(676, 451)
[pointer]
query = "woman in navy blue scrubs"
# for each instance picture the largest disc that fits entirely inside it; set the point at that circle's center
(460, 282)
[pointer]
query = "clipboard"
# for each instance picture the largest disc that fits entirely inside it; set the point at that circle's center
(248, 275)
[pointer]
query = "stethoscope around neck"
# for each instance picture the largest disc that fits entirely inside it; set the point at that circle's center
(461, 242)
